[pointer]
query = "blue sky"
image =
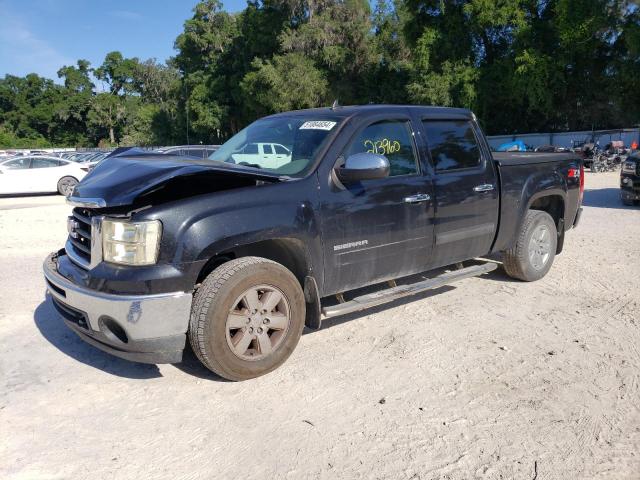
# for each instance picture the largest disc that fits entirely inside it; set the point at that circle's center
(43, 35)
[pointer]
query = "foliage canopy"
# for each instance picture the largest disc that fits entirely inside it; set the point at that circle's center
(521, 65)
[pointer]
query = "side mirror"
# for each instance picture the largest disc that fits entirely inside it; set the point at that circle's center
(363, 166)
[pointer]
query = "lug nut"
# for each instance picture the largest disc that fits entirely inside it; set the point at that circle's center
(266, 321)
(259, 329)
(250, 329)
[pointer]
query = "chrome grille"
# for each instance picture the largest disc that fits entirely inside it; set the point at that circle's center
(79, 242)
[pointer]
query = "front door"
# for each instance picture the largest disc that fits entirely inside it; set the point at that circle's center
(16, 176)
(376, 230)
(466, 191)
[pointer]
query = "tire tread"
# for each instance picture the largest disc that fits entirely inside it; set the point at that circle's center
(202, 300)
(514, 259)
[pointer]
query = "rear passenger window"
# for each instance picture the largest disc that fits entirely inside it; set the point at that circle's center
(452, 144)
(391, 138)
(267, 149)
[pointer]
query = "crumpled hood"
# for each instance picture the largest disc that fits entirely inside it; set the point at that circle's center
(119, 180)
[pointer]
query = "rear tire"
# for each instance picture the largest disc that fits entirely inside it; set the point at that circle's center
(66, 185)
(247, 318)
(534, 251)
(626, 201)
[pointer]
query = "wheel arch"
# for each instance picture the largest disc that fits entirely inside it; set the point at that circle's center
(552, 203)
(291, 253)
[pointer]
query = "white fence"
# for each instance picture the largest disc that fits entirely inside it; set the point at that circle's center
(566, 139)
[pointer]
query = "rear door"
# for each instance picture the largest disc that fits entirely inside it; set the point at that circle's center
(282, 154)
(45, 173)
(466, 190)
(376, 230)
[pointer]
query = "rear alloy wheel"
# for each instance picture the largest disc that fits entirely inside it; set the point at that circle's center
(246, 318)
(535, 249)
(66, 186)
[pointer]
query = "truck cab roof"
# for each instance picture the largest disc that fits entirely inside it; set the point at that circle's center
(364, 110)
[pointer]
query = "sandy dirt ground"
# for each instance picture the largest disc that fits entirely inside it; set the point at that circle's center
(489, 379)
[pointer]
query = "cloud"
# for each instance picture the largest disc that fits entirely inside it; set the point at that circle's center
(22, 52)
(125, 14)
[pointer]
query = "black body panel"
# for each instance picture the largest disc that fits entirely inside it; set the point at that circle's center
(346, 236)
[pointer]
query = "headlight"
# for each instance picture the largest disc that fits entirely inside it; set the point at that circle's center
(629, 167)
(131, 243)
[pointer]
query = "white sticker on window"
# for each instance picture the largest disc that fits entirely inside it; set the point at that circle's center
(317, 125)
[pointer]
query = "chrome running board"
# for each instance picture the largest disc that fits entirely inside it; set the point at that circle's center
(384, 296)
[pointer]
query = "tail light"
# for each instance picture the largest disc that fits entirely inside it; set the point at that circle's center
(581, 184)
(578, 173)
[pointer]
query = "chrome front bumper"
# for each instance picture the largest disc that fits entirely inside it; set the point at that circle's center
(143, 328)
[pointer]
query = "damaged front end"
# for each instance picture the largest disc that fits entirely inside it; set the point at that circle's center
(146, 178)
(108, 283)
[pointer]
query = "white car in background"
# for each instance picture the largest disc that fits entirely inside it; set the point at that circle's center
(39, 174)
(266, 155)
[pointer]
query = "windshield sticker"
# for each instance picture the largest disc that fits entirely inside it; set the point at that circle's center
(317, 125)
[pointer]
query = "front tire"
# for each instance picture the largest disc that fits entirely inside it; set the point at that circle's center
(247, 318)
(66, 185)
(534, 251)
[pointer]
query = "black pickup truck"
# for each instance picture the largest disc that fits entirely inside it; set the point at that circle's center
(630, 179)
(286, 224)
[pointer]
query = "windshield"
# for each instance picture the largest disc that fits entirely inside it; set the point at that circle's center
(283, 145)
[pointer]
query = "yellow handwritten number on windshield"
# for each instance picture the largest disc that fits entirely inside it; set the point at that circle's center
(383, 146)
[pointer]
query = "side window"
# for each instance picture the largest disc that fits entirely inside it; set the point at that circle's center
(452, 144)
(280, 150)
(44, 163)
(17, 164)
(268, 150)
(391, 138)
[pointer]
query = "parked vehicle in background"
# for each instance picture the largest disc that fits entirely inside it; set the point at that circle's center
(39, 174)
(237, 259)
(549, 149)
(515, 146)
(266, 155)
(630, 179)
(195, 151)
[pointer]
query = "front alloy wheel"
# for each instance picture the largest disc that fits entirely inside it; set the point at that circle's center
(246, 318)
(258, 322)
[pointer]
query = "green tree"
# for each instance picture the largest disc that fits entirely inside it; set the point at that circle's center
(107, 113)
(117, 72)
(287, 82)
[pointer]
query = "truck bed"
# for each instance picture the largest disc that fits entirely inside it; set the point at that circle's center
(526, 175)
(528, 158)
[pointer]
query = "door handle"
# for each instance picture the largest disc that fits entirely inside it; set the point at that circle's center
(420, 197)
(486, 187)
